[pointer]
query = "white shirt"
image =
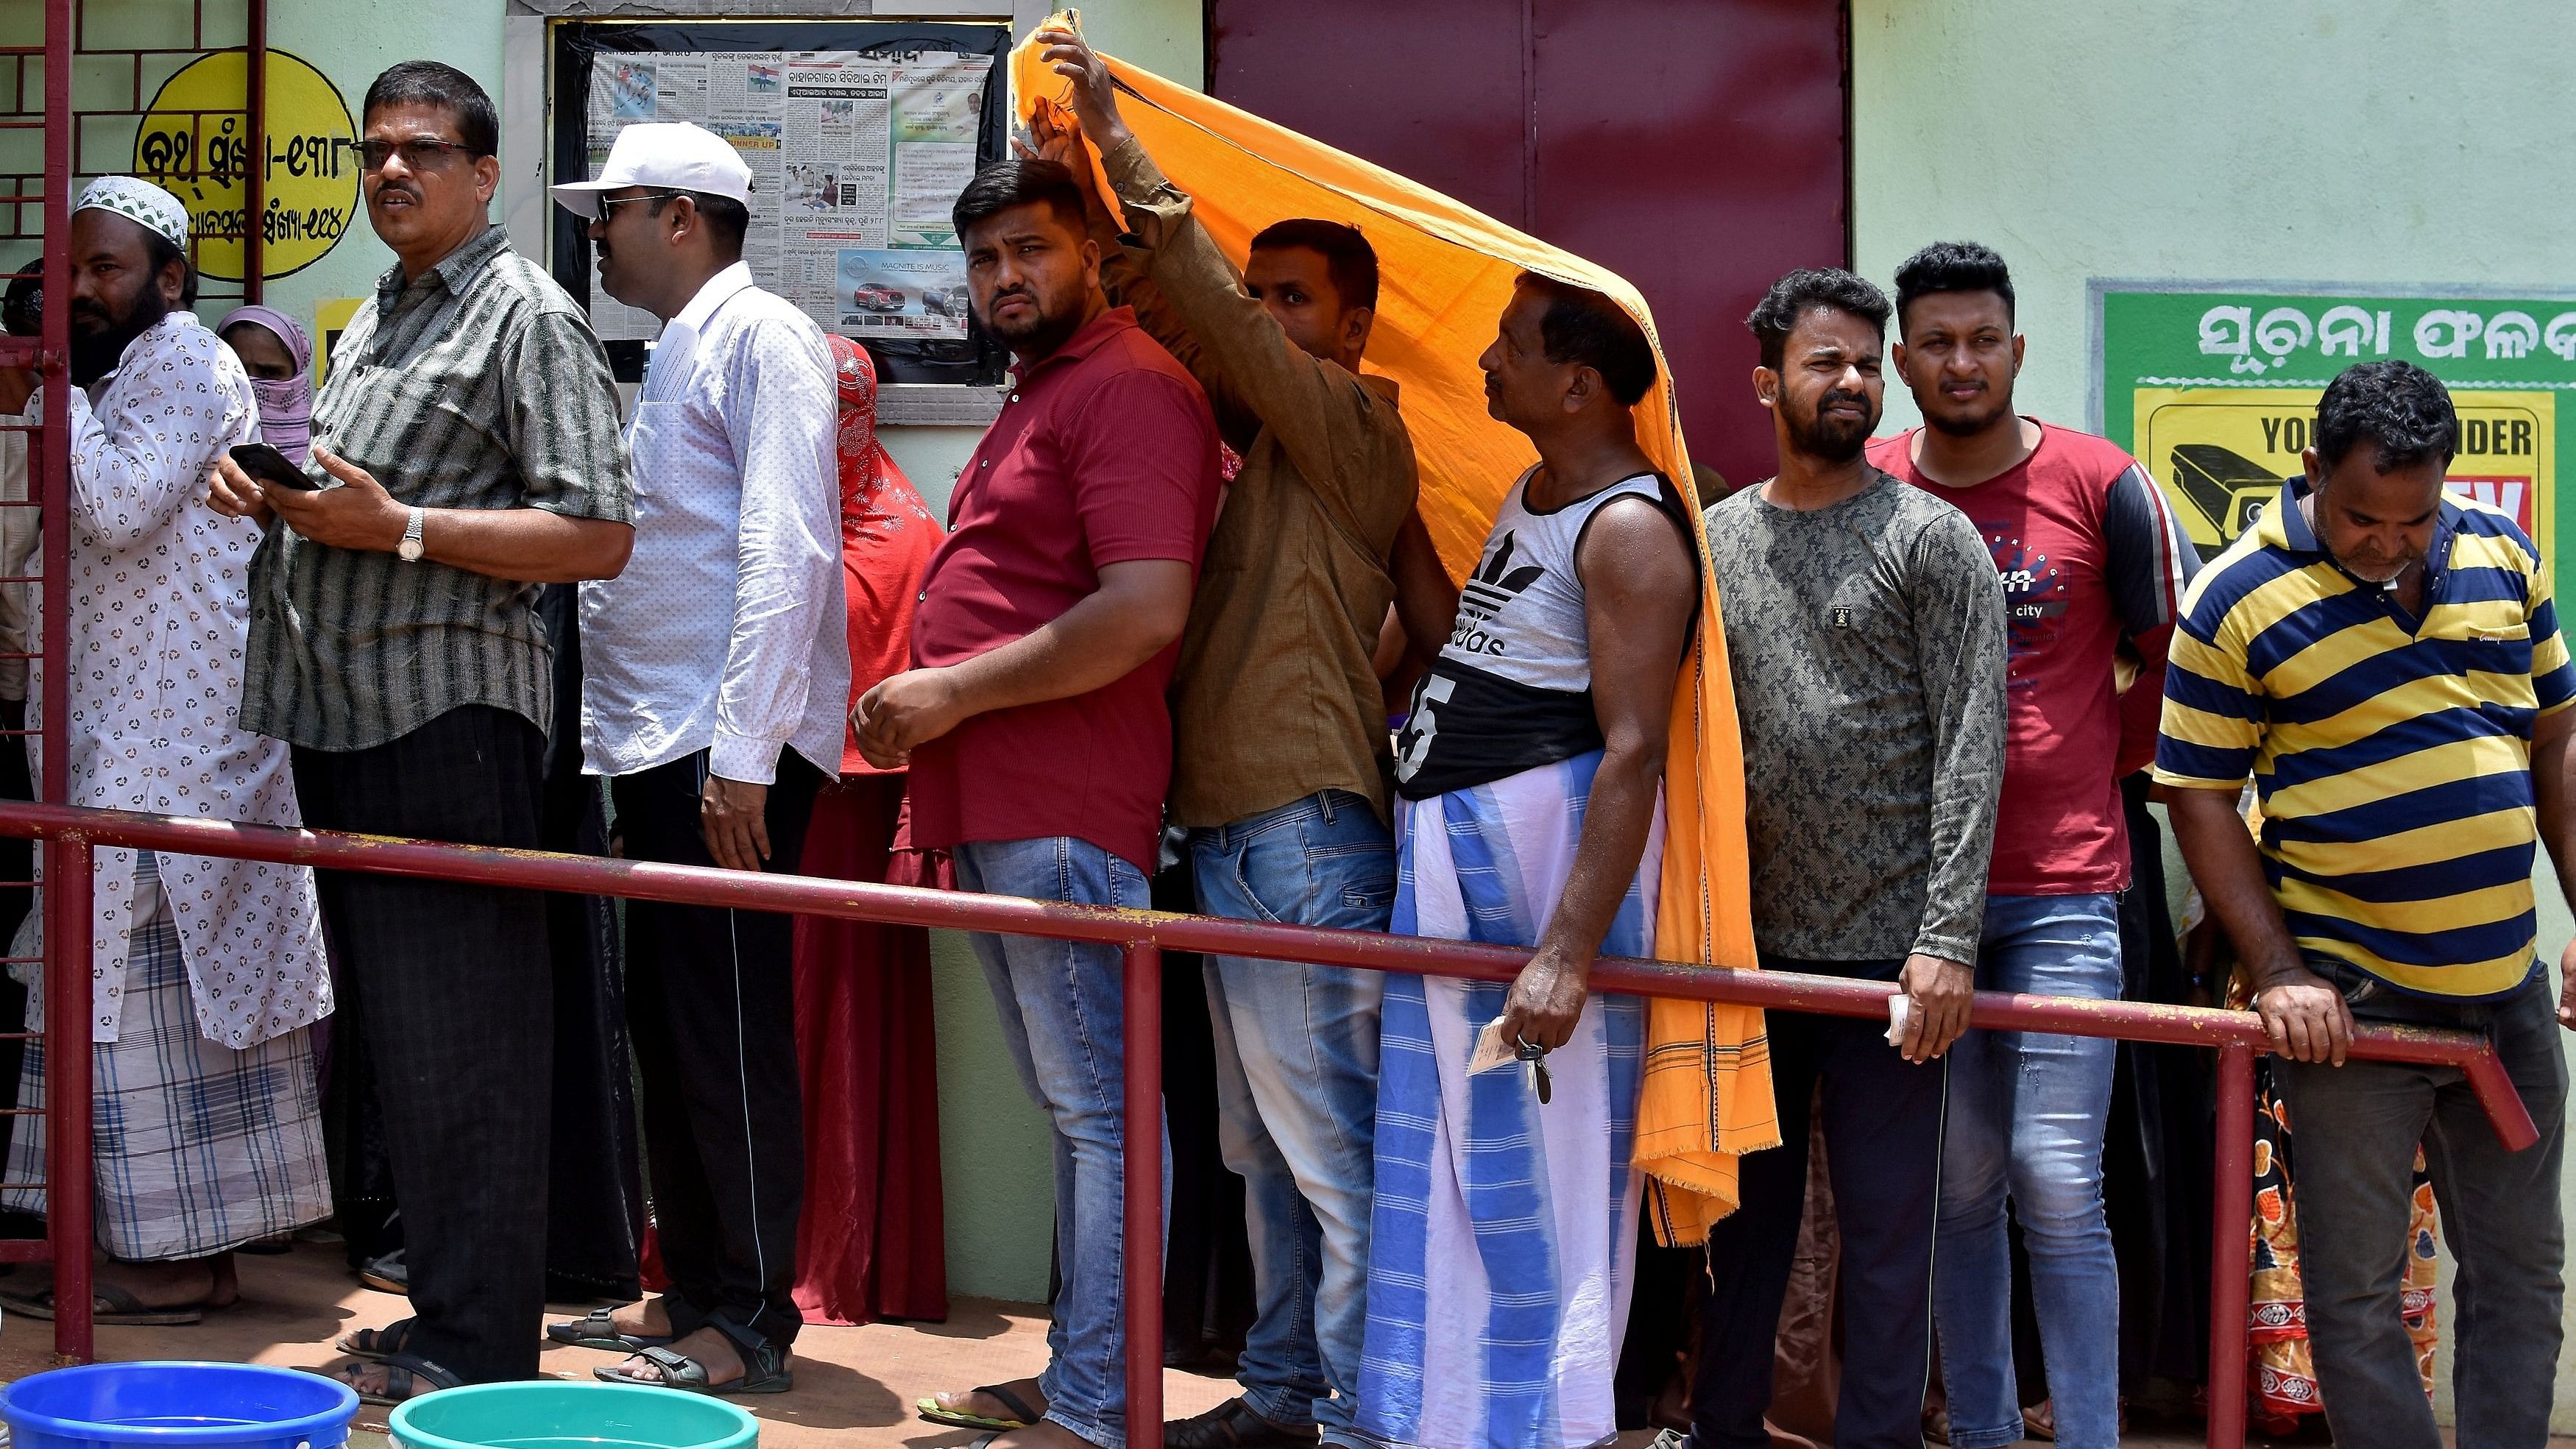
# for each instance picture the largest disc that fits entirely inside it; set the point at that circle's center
(727, 631)
(18, 540)
(160, 601)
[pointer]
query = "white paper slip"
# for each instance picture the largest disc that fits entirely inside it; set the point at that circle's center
(1491, 1050)
(1900, 1010)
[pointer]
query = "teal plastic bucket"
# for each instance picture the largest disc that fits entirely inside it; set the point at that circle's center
(195, 1405)
(570, 1416)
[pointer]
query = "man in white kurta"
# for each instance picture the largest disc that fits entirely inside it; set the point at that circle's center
(206, 973)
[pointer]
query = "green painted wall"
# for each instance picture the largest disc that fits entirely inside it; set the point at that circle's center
(2376, 141)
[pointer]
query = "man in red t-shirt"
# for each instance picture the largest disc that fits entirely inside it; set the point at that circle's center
(1034, 725)
(2093, 567)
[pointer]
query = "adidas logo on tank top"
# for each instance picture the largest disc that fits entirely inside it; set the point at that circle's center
(1512, 689)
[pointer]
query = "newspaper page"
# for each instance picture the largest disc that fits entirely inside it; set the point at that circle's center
(855, 162)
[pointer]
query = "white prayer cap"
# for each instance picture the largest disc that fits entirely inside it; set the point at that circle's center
(662, 156)
(141, 202)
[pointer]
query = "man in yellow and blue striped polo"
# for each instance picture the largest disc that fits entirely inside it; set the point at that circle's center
(2384, 661)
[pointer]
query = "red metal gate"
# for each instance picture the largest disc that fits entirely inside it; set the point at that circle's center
(38, 206)
(1695, 147)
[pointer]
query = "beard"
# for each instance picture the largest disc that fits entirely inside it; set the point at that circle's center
(1836, 440)
(1055, 322)
(100, 337)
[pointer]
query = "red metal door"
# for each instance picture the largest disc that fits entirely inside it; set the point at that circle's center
(1696, 147)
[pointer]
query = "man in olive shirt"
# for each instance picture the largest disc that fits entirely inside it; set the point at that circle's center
(1282, 753)
(1865, 628)
(469, 442)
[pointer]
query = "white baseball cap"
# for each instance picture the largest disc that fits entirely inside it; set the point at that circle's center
(662, 156)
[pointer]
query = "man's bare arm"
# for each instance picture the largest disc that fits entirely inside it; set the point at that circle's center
(1138, 610)
(2306, 1018)
(1426, 598)
(1639, 591)
(2551, 760)
(527, 545)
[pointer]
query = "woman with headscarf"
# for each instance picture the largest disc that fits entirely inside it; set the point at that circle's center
(871, 1244)
(277, 354)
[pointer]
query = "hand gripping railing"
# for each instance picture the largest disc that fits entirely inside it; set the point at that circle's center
(1143, 936)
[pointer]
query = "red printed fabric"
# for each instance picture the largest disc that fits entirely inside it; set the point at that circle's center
(1104, 453)
(2090, 557)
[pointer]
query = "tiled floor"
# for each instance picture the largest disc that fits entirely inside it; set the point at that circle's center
(854, 1386)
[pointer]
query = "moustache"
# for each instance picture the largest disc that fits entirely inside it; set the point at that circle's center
(395, 188)
(1859, 400)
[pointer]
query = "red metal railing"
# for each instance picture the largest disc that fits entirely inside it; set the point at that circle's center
(1143, 936)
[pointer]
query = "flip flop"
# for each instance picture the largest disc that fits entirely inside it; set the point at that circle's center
(598, 1329)
(930, 1411)
(764, 1372)
(122, 1309)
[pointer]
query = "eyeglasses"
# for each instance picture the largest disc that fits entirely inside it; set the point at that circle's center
(420, 153)
(608, 204)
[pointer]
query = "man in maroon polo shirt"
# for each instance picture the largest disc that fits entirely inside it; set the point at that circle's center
(1034, 724)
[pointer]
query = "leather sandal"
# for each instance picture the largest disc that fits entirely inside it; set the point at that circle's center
(764, 1372)
(375, 1345)
(598, 1329)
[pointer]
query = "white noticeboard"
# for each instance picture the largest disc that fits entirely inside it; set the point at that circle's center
(855, 161)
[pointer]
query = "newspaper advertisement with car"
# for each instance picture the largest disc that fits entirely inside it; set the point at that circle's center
(855, 161)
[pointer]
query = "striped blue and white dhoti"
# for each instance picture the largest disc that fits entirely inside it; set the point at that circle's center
(1505, 1231)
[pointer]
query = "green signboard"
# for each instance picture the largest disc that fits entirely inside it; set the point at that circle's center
(2214, 388)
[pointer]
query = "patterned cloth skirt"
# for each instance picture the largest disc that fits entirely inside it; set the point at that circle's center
(1505, 1230)
(199, 1147)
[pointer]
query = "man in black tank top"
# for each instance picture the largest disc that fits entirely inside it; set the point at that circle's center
(1581, 610)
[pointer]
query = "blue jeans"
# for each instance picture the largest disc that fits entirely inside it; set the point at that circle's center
(1064, 1019)
(2026, 1119)
(2354, 1130)
(1296, 1080)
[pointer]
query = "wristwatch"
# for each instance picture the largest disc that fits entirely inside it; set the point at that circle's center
(411, 547)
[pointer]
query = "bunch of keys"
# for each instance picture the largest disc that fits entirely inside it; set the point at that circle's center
(1536, 1056)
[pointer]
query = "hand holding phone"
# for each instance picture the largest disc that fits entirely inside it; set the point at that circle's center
(272, 467)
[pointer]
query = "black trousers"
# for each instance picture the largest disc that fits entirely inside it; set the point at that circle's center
(1883, 1151)
(455, 995)
(711, 1009)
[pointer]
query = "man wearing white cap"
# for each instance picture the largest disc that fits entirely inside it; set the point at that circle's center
(715, 671)
(206, 973)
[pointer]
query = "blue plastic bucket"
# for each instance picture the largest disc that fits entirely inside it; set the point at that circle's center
(199, 1405)
(549, 1415)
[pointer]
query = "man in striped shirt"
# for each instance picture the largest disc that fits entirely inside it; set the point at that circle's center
(2384, 660)
(469, 441)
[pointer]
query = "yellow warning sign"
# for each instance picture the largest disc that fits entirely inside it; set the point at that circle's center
(195, 141)
(2221, 453)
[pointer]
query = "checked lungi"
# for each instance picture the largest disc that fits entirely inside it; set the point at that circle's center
(197, 1147)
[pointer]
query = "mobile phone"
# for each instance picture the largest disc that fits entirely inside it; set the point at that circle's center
(272, 467)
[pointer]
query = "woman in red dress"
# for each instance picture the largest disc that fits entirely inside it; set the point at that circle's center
(871, 1245)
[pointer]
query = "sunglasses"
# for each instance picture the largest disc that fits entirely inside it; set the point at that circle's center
(608, 204)
(420, 153)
